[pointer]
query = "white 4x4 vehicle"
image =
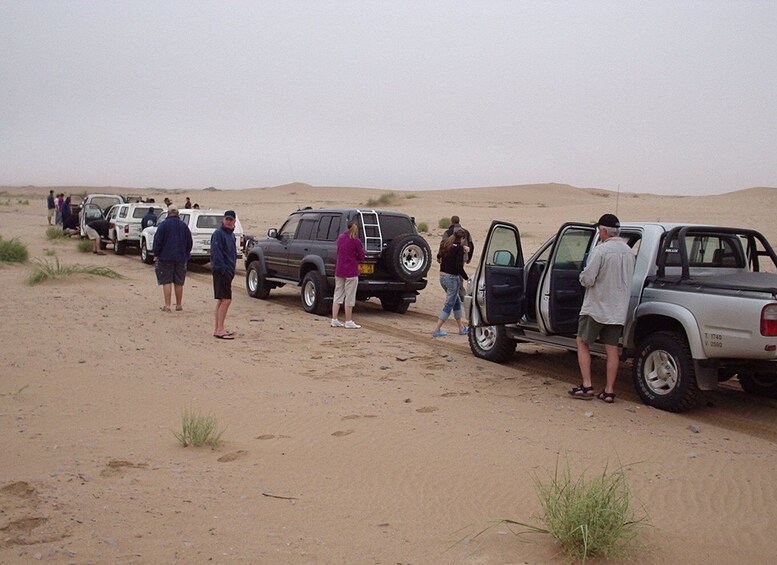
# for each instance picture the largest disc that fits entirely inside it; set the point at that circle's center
(202, 224)
(95, 207)
(126, 219)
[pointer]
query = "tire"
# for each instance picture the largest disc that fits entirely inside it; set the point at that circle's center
(408, 257)
(145, 255)
(314, 292)
(663, 372)
(256, 284)
(491, 343)
(759, 384)
(394, 302)
(120, 247)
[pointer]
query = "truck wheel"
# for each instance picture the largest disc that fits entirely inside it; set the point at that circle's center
(663, 372)
(256, 284)
(314, 289)
(394, 302)
(119, 247)
(491, 343)
(760, 384)
(145, 254)
(408, 257)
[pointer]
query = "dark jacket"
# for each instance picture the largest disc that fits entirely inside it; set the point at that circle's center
(148, 220)
(453, 262)
(223, 251)
(470, 243)
(173, 240)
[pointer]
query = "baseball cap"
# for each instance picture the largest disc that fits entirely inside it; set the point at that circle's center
(172, 209)
(609, 221)
(230, 214)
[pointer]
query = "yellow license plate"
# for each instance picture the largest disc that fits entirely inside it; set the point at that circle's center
(366, 268)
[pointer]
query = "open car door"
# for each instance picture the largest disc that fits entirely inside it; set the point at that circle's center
(89, 213)
(499, 288)
(561, 294)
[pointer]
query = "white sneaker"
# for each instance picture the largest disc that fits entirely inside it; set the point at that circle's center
(351, 325)
(336, 323)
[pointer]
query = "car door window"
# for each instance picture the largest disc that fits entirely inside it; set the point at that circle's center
(289, 228)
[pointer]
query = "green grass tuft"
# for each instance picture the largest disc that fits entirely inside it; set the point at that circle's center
(198, 430)
(55, 232)
(423, 227)
(589, 518)
(45, 270)
(444, 223)
(85, 245)
(13, 251)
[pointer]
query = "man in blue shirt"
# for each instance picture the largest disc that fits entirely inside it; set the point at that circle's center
(148, 220)
(172, 248)
(223, 263)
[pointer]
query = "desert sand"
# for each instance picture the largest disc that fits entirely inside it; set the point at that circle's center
(380, 445)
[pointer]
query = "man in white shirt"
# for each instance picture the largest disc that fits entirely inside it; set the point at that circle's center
(607, 280)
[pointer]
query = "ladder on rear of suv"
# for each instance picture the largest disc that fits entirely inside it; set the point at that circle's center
(373, 237)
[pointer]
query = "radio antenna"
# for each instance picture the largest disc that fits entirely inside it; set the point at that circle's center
(617, 197)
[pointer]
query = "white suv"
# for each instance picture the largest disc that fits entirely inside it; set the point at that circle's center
(126, 219)
(202, 224)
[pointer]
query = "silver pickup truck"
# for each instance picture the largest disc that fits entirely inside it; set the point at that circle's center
(703, 305)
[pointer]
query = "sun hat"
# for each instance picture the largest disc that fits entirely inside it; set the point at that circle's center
(609, 221)
(230, 214)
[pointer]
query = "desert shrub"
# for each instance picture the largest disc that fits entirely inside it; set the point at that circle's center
(13, 251)
(444, 223)
(387, 197)
(198, 430)
(589, 518)
(46, 270)
(371, 203)
(423, 227)
(24, 202)
(55, 232)
(410, 196)
(84, 245)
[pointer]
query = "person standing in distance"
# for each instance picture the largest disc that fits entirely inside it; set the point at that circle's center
(349, 252)
(52, 207)
(223, 263)
(172, 248)
(607, 280)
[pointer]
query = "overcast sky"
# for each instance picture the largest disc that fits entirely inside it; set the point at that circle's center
(675, 97)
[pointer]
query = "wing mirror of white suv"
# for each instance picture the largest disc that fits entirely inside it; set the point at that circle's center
(272, 233)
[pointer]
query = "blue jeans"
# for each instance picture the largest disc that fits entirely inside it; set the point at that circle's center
(451, 285)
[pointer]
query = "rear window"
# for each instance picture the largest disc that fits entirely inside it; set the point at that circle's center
(209, 222)
(709, 251)
(105, 202)
(392, 227)
(140, 212)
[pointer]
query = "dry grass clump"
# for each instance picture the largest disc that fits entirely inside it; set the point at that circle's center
(444, 223)
(423, 227)
(84, 245)
(13, 251)
(55, 233)
(198, 430)
(46, 270)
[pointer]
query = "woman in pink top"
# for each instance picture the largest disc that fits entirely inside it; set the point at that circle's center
(349, 252)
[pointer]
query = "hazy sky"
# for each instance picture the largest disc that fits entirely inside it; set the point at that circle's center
(666, 97)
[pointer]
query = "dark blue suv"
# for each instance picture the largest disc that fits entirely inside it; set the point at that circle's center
(303, 252)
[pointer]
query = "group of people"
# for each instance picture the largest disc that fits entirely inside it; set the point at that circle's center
(59, 211)
(187, 205)
(172, 247)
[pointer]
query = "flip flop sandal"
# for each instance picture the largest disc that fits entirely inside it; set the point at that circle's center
(582, 392)
(608, 397)
(225, 336)
(164, 309)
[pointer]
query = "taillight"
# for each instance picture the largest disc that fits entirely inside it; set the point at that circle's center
(769, 320)
(126, 229)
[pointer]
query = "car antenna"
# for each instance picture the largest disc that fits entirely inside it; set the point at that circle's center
(617, 197)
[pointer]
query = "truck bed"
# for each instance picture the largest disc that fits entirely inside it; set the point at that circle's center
(743, 280)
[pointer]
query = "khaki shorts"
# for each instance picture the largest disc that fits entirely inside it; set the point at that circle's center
(91, 233)
(345, 290)
(589, 329)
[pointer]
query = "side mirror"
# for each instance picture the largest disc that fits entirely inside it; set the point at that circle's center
(272, 233)
(503, 258)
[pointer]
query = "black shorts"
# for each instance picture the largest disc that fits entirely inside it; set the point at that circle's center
(222, 286)
(171, 272)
